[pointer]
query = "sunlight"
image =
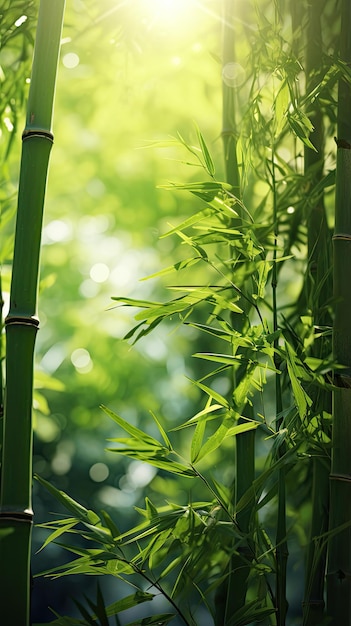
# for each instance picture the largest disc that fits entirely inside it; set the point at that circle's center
(167, 12)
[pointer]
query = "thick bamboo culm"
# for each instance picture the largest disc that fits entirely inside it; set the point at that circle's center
(339, 552)
(21, 324)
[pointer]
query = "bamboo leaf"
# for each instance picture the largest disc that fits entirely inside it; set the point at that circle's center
(58, 532)
(162, 463)
(180, 265)
(132, 430)
(207, 411)
(225, 430)
(206, 155)
(250, 613)
(254, 493)
(156, 548)
(242, 428)
(229, 359)
(110, 524)
(128, 602)
(77, 509)
(180, 579)
(171, 566)
(211, 393)
(303, 401)
(190, 221)
(301, 127)
(151, 510)
(197, 440)
(281, 104)
(88, 618)
(207, 191)
(134, 302)
(162, 432)
(62, 621)
(154, 620)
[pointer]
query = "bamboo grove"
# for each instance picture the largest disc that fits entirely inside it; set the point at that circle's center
(262, 283)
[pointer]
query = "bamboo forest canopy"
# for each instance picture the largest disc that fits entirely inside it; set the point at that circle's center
(168, 112)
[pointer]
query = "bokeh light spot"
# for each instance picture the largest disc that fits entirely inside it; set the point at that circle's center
(233, 74)
(61, 463)
(99, 273)
(70, 60)
(99, 472)
(57, 230)
(81, 360)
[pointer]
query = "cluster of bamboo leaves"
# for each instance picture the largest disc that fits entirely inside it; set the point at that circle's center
(253, 279)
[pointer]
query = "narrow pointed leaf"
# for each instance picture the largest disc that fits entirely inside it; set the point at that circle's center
(132, 430)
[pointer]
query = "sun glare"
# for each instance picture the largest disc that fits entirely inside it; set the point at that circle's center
(167, 12)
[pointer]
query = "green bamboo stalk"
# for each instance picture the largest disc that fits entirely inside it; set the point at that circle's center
(339, 553)
(22, 323)
(296, 12)
(1, 373)
(318, 292)
(229, 132)
(232, 595)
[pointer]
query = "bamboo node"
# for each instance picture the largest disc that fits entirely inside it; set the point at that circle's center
(37, 132)
(342, 236)
(314, 604)
(343, 381)
(342, 143)
(341, 477)
(340, 574)
(17, 516)
(22, 320)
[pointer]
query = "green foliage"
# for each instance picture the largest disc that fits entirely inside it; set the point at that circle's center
(181, 547)
(238, 266)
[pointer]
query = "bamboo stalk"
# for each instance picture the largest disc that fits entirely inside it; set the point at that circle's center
(319, 263)
(232, 595)
(339, 553)
(1, 373)
(229, 136)
(21, 324)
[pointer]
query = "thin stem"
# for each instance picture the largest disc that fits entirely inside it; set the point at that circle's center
(217, 498)
(155, 584)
